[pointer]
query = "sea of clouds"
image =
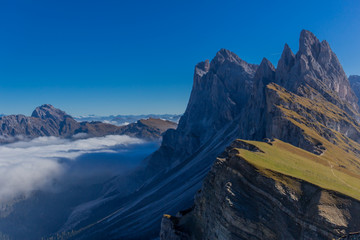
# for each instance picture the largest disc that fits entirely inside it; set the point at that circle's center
(26, 166)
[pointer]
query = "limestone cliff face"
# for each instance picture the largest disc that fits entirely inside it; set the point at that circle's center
(220, 91)
(238, 201)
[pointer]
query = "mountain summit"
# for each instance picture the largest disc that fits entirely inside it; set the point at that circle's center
(47, 111)
(316, 66)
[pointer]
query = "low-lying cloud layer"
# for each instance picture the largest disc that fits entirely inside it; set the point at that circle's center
(34, 165)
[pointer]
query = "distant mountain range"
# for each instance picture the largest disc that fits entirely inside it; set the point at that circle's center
(127, 119)
(49, 121)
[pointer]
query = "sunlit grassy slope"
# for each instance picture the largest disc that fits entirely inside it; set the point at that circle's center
(292, 161)
(338, 168)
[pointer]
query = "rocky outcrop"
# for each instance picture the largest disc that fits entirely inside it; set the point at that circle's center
(47, 120)
(239, 201)
(169, 229)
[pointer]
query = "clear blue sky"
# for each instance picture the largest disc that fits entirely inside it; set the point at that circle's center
(131, 57)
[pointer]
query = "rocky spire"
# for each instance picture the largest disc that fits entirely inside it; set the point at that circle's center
(284, 66)
(254, 127)
(265, 73)
(200, 70)
(315, 65)
(309, 44)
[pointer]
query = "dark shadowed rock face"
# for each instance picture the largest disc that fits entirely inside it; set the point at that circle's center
(221, 89)
(47, 120)
(355, 85)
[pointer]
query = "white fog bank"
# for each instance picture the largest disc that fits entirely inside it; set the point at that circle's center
(34, 165)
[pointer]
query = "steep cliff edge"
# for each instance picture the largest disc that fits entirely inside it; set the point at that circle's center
(273, 190)
(306, 101)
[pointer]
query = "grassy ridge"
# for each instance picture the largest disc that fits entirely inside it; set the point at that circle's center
(338, 168)
(305, 113)
(295, 162)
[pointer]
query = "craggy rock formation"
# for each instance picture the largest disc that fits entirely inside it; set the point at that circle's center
(238, 201)
(49, 121)
(220, 91)
(315, 65)
(303, 101)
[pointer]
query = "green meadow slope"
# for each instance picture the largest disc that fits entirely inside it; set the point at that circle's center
(331, 170)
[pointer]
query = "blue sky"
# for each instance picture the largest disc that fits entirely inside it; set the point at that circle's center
(131, 57)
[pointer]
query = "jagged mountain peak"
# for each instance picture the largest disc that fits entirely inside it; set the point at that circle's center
(226, 57)
(46, 111)
(285, 63)
(224, 54)
(315, 65)
(265, 65)
(264, 74)
(287, 58)
(287, 50)
(309, 44)
(202, 68)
